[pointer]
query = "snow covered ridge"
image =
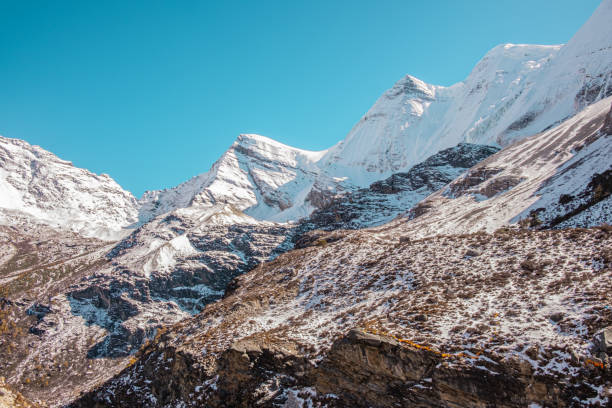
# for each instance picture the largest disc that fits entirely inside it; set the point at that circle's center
(40, 185)
(513, 92)
(264, 178)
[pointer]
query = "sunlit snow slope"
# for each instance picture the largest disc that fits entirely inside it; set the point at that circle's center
(558, 178)
(513, 92)
(35, 183)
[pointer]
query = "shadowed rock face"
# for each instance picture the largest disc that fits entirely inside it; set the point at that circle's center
(387, 199)
(360, 370)
(368, 370)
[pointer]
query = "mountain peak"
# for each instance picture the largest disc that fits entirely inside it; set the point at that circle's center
(413, 86)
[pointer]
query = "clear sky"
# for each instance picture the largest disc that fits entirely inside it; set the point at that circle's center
(153, 92)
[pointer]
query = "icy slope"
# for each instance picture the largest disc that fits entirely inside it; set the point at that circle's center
(35, 182)
(555, 178)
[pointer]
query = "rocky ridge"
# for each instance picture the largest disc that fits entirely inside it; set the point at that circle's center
(394, 196)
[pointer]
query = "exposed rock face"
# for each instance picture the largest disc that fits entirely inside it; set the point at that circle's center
(387, 199)
(607, 127)
(603, 340)
(368, 370)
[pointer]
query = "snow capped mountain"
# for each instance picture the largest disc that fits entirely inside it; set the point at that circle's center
(39, 185)
(264, 178)
(513, 92)
(414, 120)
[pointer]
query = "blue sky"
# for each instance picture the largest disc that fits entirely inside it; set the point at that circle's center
(153, 92)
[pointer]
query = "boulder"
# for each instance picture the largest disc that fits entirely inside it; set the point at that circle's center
(603, 340)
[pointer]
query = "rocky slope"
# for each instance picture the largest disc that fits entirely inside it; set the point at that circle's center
(43, 346)
(98, 310)
(518, 308)
(37, 184)
(264, 345)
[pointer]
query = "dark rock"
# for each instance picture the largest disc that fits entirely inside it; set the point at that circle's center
(556, 317)
(607, 127)
(404, 240)
(36, 331)
(373, 205)
(471, 253)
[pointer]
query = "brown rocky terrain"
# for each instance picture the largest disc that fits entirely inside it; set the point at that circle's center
(504, 319)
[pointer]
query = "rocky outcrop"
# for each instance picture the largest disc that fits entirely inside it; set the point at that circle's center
(607, 127)
(12, 399)
(369, 370)
(603, 341)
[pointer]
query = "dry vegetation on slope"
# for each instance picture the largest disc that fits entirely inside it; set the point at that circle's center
(517, 304)
(43, 345)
